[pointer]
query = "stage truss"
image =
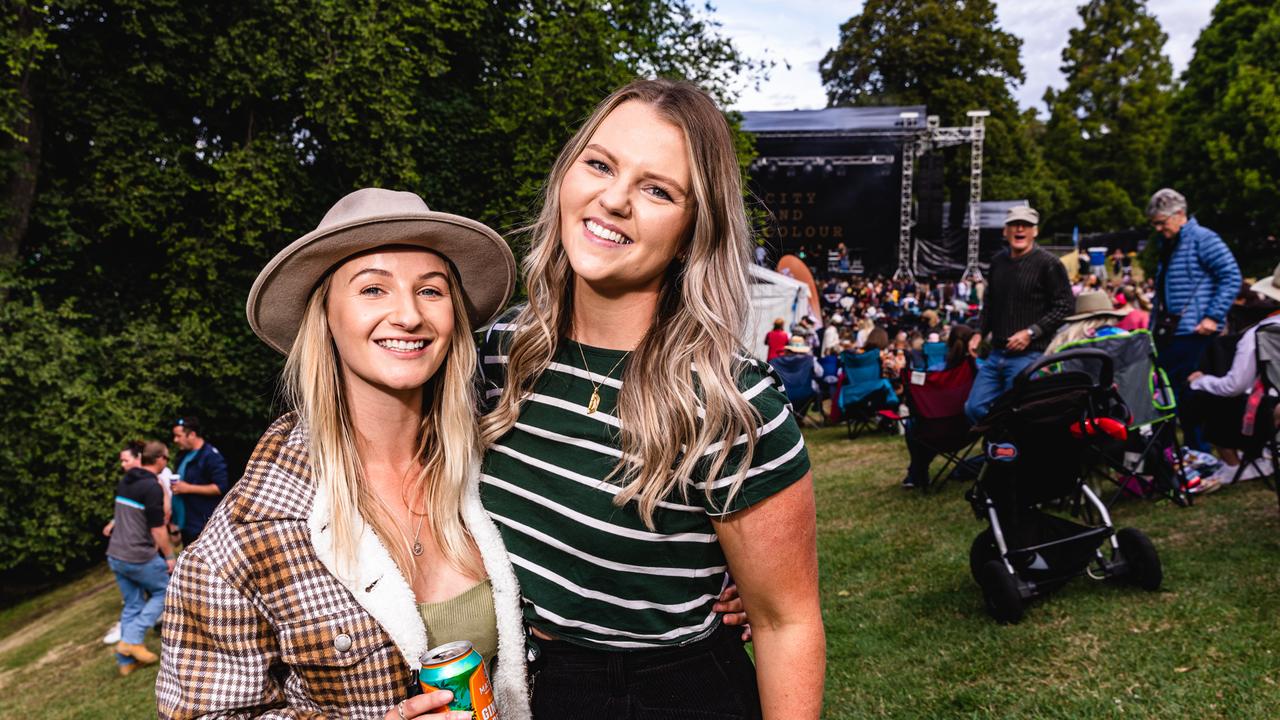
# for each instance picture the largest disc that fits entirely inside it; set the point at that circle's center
(926, 139)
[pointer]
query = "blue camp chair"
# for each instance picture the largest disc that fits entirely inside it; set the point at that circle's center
(935, 356)
(797, 376)
(865, 392)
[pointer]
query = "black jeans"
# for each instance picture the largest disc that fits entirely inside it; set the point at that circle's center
(712, 679)
(921, 458)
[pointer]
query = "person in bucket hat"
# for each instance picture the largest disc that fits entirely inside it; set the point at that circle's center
(1094, 312)
(356, 540)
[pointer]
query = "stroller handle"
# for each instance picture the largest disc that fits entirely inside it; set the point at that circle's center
(1106, 372)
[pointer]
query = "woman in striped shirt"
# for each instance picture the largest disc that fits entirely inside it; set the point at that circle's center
(635, 454)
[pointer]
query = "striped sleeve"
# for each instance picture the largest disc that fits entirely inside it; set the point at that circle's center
(491, 351)
(779, 458)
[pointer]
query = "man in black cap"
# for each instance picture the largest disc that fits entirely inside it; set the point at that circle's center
(1028, 296)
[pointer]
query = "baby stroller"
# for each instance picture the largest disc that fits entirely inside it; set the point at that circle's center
(1035, 436)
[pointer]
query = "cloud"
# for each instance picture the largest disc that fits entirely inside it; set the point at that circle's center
(799, 32)
(795, 35)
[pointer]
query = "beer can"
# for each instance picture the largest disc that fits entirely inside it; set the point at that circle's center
(458, 668)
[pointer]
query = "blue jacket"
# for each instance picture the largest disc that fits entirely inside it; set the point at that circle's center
(206, 467)
(1200, 279)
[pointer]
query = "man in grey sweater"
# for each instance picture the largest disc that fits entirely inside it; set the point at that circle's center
(1027, 298)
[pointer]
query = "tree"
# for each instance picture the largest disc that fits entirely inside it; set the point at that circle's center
(951, 57)
(24, 41)
(181, 144)
(1107, 127)
(1222, 149)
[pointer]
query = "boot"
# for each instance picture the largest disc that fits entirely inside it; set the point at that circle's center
(138, 652)
(127, 668)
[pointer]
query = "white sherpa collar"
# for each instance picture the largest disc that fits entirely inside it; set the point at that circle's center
(384, 593)
(374, 581)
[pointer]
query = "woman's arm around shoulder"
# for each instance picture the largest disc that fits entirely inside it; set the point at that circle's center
(772, 552)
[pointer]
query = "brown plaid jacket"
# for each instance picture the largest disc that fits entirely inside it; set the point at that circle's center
(255, 624)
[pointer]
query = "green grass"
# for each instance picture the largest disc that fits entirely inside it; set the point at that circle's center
(53, 663)
(907, 636)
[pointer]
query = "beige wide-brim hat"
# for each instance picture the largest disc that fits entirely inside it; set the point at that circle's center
(1094, 304)
(1269, 286)
(368, 219)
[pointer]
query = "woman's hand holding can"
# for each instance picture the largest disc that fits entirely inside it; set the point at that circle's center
(429, 706)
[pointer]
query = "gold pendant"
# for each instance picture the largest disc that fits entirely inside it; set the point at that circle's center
(594, 404)
(417, 548)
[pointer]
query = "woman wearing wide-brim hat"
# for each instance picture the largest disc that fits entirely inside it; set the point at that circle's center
(356, 539)
(1094, 311)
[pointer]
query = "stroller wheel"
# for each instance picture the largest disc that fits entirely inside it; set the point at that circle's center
(1140, 556)
(982, 551)
(1000, 592)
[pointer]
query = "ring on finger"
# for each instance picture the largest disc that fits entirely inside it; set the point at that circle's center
(400, 710)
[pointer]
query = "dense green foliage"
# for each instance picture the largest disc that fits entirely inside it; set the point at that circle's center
(163, 151)
(1224, 149)
(951, 57)
(1107, 128)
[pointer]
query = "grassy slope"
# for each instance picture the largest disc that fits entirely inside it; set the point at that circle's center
(53, 663)
(906, 633)
(907, 636)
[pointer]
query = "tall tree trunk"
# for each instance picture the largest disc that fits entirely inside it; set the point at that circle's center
(22, 157)
(20, 186)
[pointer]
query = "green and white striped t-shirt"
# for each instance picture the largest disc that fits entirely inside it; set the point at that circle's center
(591, 572)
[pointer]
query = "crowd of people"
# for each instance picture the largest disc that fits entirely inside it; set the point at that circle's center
(1199, 311)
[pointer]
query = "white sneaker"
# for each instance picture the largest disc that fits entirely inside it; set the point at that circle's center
(1258, 468)
(113, 635)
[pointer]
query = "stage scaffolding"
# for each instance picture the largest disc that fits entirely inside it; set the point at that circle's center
(926, 139)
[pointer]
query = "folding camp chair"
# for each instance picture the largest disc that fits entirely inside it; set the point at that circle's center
(1149, 463)
(936, 419)
(797, 376)
(866, 399)
(1259, 418)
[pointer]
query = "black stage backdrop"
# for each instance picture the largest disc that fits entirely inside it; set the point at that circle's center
(817, 206)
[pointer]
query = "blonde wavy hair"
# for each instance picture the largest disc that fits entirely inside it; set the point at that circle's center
(670, 421)
(447, 446)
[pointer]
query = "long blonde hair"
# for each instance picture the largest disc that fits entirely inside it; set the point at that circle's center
(702, 311)
(446, 441)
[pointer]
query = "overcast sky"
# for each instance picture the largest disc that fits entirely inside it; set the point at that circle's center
(800, 32)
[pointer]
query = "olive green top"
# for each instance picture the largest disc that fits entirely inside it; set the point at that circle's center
(469, 616)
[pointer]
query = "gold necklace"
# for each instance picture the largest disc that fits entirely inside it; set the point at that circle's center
(594, 403)
(417, 546)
